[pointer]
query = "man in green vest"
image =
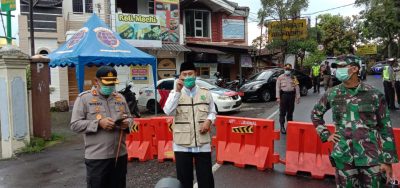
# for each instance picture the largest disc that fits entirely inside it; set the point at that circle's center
(388, 83)
(316, 75)
(194, 111)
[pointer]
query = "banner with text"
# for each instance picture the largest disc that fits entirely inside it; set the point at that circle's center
(168, 11)
(288, 29)
(139, 30)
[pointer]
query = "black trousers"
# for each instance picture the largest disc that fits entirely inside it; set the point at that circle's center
(286, 106)
(389, 94)
(184, 169)
(397, 87)
(316, 83)
(103, 173)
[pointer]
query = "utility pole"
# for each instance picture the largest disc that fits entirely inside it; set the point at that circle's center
(31, 29)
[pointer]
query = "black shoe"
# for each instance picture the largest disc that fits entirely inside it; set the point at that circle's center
(283, 130)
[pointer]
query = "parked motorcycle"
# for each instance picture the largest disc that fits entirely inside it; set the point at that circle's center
(130, 98)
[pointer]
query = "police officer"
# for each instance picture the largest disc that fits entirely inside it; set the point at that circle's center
(287, 92)
(194, 111)
(316, 75)
(95, 115)
(396, 69)
(327, 75)
(363, 142)
(389, 83)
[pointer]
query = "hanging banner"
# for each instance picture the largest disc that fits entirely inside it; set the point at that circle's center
(139, 30)
(232, 29)
(140, 74)
(245, 61)
(168, 12)
(288, 29)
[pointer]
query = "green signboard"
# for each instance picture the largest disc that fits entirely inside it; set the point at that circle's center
(8, 5)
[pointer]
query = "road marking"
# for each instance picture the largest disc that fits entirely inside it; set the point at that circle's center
(216, 166)
(273, 114)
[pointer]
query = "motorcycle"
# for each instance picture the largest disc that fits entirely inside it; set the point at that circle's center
(130, 98)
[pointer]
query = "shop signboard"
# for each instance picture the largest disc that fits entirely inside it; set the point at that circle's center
(233, 29)
(168, 12)
(287, 29)
(139, 30)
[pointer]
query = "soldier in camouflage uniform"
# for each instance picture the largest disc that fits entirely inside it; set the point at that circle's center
(363, 142)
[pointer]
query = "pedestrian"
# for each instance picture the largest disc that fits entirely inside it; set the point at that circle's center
(287, 92)
(101, 114)
(316, 75)
(364, 145)
(194, 111)
(327, 74)
(396, 69)
(389, 83)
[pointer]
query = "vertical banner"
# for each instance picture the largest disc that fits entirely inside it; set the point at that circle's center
(168, 12)
(140, 74)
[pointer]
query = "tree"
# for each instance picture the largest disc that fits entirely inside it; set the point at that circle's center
(381, 23)
(339, 34)
(256, 42)
(281, 10)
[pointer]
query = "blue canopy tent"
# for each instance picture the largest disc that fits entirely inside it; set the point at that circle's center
(95, 45)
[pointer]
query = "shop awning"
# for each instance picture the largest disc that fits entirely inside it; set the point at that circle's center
(170, 47)
(205, 50)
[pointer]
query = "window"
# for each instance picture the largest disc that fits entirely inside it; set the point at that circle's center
(151, 6)
(82, 6)
(197, 23)
(203, 72)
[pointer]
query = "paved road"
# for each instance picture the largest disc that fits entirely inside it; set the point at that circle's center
(63, 166)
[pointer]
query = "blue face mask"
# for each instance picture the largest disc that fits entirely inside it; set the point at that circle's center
(342, 74)
(107, 90)
(189, 82)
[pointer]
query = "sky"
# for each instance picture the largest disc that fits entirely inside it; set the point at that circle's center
(313, 6)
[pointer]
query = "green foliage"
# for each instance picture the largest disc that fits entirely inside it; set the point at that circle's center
(381, 22)
(317, 56)
(38, 144)
(282, 9)
(339, 33)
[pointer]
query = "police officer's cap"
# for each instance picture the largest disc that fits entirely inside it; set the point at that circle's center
(107, 75)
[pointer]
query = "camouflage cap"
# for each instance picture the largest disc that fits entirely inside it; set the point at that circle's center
(345, 60)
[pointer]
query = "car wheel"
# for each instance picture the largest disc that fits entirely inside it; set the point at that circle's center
(151, 107)
(266, 96)
(303, 91)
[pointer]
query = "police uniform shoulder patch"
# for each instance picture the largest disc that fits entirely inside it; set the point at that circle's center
(295, 80)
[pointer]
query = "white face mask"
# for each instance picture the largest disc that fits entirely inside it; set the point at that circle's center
(287, 72)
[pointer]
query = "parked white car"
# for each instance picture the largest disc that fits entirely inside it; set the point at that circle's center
(225, 100)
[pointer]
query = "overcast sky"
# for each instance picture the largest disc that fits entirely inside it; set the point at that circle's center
(314, 6)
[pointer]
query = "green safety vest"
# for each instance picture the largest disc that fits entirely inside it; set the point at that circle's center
(315, 70)
(385, 73)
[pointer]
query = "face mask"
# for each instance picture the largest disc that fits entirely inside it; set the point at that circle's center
(189, 82)
(107, 90)
(287, 72)
(342, 74)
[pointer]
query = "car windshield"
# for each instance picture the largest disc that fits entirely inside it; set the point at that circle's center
(264, 75)
(205, 84)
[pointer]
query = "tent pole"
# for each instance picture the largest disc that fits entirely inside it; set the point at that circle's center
(155, 89)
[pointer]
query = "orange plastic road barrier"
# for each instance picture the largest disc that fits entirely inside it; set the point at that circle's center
(246, 141)
(140, 143)
(163, 129)
(305, 151)
(396, 167)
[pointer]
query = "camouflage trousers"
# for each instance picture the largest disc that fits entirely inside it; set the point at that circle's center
(363, 177)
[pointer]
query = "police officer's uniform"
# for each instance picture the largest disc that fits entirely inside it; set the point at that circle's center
(388, 84)
(101, 145)
(397, 83)
(316, 75)
(287, 90)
